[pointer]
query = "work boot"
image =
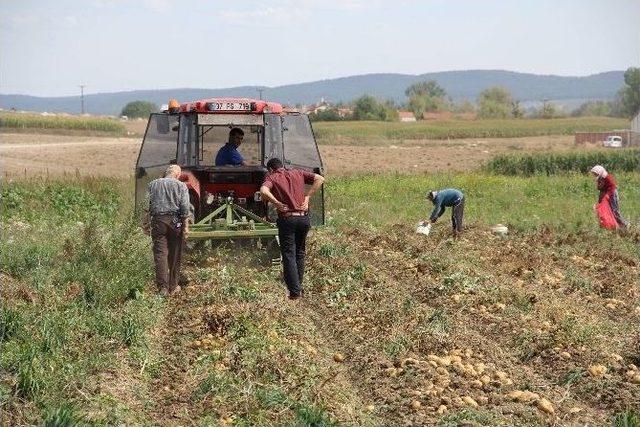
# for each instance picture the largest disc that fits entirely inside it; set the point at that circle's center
(294, 296)
(183, 280)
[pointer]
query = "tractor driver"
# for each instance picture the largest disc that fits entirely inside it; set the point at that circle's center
(229, 155)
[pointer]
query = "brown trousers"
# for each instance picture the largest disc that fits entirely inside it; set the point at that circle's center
(167, 251)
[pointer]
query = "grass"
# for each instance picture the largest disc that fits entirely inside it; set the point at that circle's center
(377, 133)
(22, 122)
(626, 419)
(627, 160)
(562, 202)
(72, 265)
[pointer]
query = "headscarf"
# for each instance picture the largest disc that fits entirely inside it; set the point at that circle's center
(600, 171)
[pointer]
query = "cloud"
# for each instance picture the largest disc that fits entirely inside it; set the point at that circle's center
(160, 6)
(268, 17)
(20, 19)
(275, 13)
(70, 21)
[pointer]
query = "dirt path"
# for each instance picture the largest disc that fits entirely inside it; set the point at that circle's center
(180, 396)
(170, 398)
(25, 155)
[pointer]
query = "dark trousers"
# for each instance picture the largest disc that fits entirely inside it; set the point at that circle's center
(167, 250)
(292, 232)
(457, 212)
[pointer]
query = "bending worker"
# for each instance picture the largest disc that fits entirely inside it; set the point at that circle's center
(169, 211)
(228, 154)
(286, 190)
(448, 198)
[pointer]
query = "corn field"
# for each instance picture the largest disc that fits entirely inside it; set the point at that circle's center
(33, 121)
(627, 160)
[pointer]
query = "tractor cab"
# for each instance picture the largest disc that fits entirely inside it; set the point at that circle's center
(225, 197)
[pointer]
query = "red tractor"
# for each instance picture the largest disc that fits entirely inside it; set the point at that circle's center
(225, 199)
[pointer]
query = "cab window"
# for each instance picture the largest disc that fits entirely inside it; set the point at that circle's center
(214, 138)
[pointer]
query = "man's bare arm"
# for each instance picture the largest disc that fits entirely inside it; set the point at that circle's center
(266, 194)
(318, 180)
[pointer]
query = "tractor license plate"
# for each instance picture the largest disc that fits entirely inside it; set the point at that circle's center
(230, 106)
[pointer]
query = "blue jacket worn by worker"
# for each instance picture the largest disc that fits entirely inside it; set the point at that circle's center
(444, 198)
(229, 155)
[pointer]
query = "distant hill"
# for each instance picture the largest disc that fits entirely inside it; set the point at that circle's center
(528, 88)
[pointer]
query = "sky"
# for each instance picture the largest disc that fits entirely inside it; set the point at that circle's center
(49, 48)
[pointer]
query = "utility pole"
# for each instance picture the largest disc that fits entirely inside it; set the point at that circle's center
(81, 99)
(260, 90)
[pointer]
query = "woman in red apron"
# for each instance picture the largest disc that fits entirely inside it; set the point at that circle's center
(608, 207)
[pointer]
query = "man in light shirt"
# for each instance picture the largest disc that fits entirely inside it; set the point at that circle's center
(169, 226)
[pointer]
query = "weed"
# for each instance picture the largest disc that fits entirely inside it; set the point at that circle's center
(130, 331)
(571, 376)
(204, 275)
(9, 323)
(436, 265)
(465, 417)
(215, 383)
(20, 260)
(51, 337)
(396, 345)
(578, 282)
(63, 416)
(30, 382)
(575, 331)
(461, 282)
(312, 416)
(523, 302)
(337, 297)
(524, 342)
(272, 397)
(332, 250)
(242, 292)
(435, 327)
(408, 304)
(627, 418)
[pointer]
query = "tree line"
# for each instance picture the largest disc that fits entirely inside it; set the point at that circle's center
(492, 103)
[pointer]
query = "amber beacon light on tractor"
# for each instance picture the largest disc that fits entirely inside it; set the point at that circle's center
(225, 199)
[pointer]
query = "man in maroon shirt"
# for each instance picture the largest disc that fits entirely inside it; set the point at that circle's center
(285, 188)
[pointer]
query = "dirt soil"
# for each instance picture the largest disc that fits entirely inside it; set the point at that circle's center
(478, 331)
(26, 155)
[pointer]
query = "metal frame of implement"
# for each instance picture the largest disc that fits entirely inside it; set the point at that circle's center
(231, 221)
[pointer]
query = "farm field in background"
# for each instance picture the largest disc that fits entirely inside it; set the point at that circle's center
(537, 328)
(376, 133)
(27, 155)
(339, 133)
(26, 122)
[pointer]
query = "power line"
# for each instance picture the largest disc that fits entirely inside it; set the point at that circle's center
(81, 99)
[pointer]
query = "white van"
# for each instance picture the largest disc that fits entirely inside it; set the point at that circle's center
(613, 141)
